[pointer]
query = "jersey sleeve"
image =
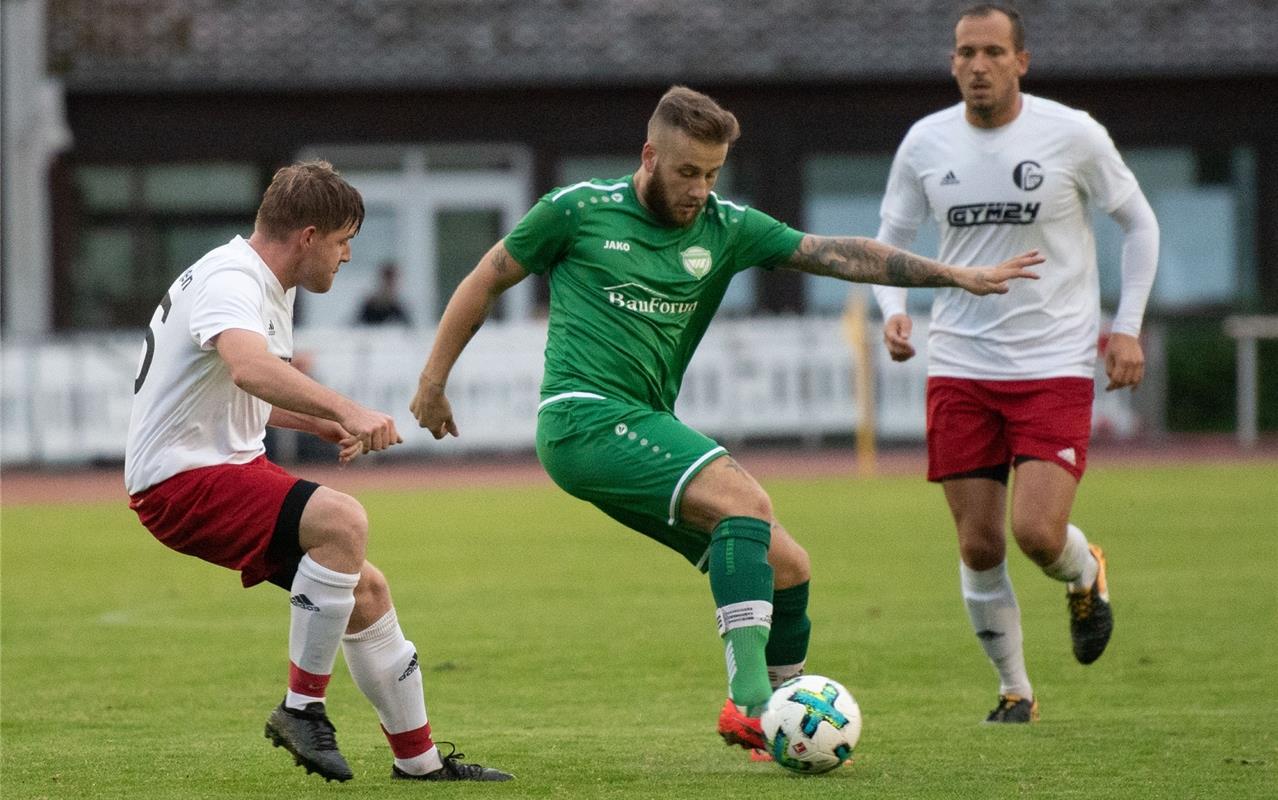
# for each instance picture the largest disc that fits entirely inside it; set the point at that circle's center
(1104, 177)
(542, 238)
(227, 297)
(764, 241)
(904, 201)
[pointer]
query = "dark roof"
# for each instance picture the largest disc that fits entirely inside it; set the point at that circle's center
(132, 45)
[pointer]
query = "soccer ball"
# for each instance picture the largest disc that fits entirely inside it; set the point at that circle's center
(811, 724)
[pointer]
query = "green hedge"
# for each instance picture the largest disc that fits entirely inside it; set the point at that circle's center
(1202, 379)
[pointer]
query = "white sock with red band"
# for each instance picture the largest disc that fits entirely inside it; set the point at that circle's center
(322, 600)
(385, 668)
(996, 619)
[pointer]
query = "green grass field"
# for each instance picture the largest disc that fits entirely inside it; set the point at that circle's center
(584, 658)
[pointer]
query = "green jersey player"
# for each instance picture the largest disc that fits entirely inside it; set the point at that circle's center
(637, 267)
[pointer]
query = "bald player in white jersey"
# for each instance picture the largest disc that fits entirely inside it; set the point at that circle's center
(1010, 377)
(213, 374)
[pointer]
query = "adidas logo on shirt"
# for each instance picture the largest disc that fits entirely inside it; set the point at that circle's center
(303, 602)
(270, 327)
(950, 179)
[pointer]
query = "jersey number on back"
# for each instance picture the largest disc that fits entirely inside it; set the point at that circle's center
(165, 305)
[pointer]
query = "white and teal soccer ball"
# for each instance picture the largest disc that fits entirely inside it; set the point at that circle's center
(811, 724)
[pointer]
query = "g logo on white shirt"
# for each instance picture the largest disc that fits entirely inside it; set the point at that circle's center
(1028, 175)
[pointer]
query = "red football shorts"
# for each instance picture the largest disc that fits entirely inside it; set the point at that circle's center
(239, 516)
(977, 425)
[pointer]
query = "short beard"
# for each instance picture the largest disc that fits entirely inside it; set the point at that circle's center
(654, 197)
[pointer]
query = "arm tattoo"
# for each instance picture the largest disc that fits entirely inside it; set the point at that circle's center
(860, 260)
(906, 269)
(501, 261)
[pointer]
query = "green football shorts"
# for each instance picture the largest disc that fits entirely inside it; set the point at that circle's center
(633, 463)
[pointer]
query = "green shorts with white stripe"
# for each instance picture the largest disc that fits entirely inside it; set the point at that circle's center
(633, 463)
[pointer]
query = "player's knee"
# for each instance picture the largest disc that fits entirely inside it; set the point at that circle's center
(351, 521)
(335, 522)
(981, 552)
(1038, 538)
(791, 564)
(755, 503)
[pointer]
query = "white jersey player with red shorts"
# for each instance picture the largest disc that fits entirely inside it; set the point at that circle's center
(212, 375)
(1010, 376)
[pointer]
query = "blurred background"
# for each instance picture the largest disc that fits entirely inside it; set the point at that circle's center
(139, 134)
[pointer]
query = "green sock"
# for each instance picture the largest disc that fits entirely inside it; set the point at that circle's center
(741, 582)
(788, 643)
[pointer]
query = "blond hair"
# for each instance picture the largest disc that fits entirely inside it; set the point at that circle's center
(695, 114)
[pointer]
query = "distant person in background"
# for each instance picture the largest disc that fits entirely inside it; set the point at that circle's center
(638, 266)
(214, 374)
(1010, 376)
(383, 305)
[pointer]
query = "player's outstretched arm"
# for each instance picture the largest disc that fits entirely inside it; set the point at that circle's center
(862, 260)
(349, 447)
(496, 272)
(265, 376)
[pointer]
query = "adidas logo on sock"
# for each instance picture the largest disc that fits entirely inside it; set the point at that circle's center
(303, 602)
(412, 667)
(949, 179)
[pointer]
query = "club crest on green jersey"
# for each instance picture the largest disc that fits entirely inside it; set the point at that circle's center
(696, 260)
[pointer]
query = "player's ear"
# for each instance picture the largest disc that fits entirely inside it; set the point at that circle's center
(649, 157)
(307, 236)
(1022, 62)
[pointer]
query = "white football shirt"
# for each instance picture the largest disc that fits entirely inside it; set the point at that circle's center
(187, 412)
(997, 193)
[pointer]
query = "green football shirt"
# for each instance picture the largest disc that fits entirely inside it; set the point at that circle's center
(631, 298)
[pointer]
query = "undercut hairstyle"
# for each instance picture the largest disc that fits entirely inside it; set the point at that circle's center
(695, 114)
(305, 194)
(985, 9)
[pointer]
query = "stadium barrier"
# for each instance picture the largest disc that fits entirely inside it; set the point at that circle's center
(67, 401)
(1245, 330)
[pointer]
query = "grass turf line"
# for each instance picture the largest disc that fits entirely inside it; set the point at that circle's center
(129, 671)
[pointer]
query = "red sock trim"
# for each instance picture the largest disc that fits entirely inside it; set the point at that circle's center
(302, 682)
(410, 744)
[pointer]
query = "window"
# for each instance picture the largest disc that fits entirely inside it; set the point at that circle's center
(841, 198)
(432, 211)
(142, 225)
(1206, 208)
(1205, 202)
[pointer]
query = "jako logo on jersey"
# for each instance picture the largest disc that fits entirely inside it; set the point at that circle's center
(610, 244)
(630, 296)
(696, 260)
(1028, 175)
(992, 214)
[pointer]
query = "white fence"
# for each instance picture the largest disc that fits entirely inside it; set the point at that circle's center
(67, 401)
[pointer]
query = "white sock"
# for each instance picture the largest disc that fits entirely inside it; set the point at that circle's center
(996, 619)
(779, 674)
(322, 600)
(1075, 565)
(385, 668)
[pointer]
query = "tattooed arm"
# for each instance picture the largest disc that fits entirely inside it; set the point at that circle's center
(496, 272)
(861, 260)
